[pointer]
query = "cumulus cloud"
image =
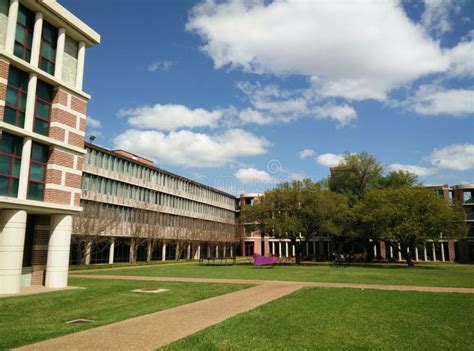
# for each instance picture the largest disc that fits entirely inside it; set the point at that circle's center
(418, 170)
(93, 123)
(253, 175)
(329, 160)
(164, 65)
(360, 55)
(458, 157)
(171, 117)
(435, 100)
(461, 59)
(307, 153)
(436, 17)
(189, 149)
(249, 115)
(342, 114)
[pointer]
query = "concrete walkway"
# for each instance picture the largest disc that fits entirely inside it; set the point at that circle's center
(154, 330)
(279, 282)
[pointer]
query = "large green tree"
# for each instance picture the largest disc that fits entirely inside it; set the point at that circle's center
(409, 217)
(299, 211)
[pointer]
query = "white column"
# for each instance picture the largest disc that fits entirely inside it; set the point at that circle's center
(188, 253)
(375, 249)
(36, 44)
(198, 251)
(24, 168)
(208, 250)
(294, 252)
(30, 102)
(225, 251)
(416, 254)
(11, 26)
(163, 252)
(399, 252)
(433, 248)
(279, 248)
(286, 248)
(443, 258)
(87, 258)
(81, 55)
(149, 251)
(12, 240)
(111, 251)
(391, 251)
(217, 251)
(424, 252)
(58, 66)
(58, 251)
(273, 248)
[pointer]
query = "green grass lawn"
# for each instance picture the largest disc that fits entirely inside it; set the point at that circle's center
(27, 319)
(342, 319)
(447, 274)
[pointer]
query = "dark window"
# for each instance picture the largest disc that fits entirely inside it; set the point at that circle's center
(44, 99)
(24, 33)
(15, 103)
(39, 160)
(49, 39)
(10, 161)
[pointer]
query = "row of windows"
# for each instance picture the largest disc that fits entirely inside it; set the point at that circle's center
(10, 162)
(15, 104)
(24, 40)
(111, 163)
(111, 187)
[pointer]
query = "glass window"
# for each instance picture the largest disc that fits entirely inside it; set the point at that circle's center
(44, 99)
(468, 196)
(10, 161)
(15, 102)
(37, 179)
(24, 33)
(49, 39)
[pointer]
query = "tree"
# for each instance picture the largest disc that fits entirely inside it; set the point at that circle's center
(355, 175)
(90, 225)
(398, 179)
(409, 217)
(298, 211)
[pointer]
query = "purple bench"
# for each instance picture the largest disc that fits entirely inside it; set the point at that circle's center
(259, 260)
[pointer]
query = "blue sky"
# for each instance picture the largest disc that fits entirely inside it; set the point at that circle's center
(242, 94)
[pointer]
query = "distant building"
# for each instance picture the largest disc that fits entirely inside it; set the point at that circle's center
(42, 124)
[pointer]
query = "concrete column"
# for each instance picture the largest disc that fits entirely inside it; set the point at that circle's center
(24, 168)
(391, 251)
(12, 240)
(443, 258)
(293, 250)
(217, 251)
(87, 256)
(273, 248)
(375, 250)
(425, 254)
(232, 251)
(416, 254)
(11, 25)
(279, 248)
(188, 253)
(433, 248)
(149, 250)
(30, 102)
(286, 249)
(36, 44)
(225, 251)
(58, 67)
(197, 253)
(81, 56)
(163, 252)
(399, 252)
(111, 250)
(58, 251)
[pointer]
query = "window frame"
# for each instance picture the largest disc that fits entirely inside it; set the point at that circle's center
(25, 31)
(50, 103)
(19, 92)
(54, 45)
(12, 157)
(45, 164)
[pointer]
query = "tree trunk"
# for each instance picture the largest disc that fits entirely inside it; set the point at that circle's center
(406, 253)
(297, 251)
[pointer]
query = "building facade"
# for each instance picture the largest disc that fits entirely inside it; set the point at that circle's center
(42, 125)
(157, 215)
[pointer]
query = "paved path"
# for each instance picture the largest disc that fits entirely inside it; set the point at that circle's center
(154, 330)
(278, 282)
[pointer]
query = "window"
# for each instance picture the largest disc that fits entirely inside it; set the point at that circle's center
(10, 161)
(44, 99)
(49, 39)
(24, 33)
(15, 103)
(39, 160)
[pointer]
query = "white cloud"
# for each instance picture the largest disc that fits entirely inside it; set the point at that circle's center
(329, 160)
(461, 59)
(171, 117)
(459, 157)
(164, 65)
(249, 115)
(353, 49)
(93, 123)
(342, 114)
(307, 153)
(252, 175)
(189, 149)
(436, 17)
(418, 170)
(435, 100)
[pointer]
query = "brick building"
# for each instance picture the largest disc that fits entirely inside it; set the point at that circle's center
(42, 125)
